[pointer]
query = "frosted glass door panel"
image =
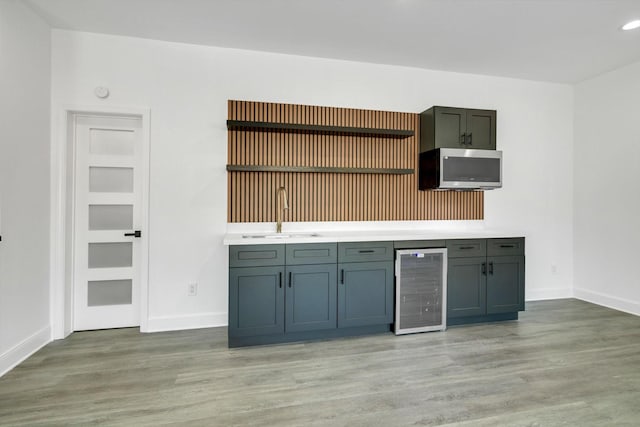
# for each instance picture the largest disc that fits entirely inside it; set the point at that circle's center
(109, 292)
(110, 255)
(112, 142)
(110, 217)
(110, 180)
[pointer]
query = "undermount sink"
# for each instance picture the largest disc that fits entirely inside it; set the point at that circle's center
(279, 235)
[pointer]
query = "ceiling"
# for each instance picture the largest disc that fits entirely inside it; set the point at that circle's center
(563, 41)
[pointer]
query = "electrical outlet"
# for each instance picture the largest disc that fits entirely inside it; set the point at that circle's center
(192, 289)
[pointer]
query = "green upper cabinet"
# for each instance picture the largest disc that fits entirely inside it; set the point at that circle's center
(448, 127)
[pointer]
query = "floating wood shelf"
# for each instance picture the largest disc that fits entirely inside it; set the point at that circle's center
(316, 169)
(319, 129)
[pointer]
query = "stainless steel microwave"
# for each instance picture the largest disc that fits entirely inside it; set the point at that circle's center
(460, 169)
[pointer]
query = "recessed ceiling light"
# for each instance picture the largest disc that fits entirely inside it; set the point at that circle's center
(631, 25)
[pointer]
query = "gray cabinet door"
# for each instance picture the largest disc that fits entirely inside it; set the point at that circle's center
(466, 287)
(450, 127)
(365, 293)
(310, 297)
(256, 301)
(505, 284)
(481, 129)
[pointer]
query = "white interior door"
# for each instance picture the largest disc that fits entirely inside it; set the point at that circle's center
(108, 238)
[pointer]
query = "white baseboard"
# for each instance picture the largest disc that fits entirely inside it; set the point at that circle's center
(632, 307)
(548, 293)
(21, 351)
(187, 321)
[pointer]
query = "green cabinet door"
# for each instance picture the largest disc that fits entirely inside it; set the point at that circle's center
(256, 301)
(450, 127)
(481, 129)
(466, 287)
(505, 284)
(310, 297)
(365, 293)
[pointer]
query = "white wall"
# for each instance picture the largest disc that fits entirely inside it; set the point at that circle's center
(607, 192)
(25, 70)
(187, 88)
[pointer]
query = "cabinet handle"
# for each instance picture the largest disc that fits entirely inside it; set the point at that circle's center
(464, 248)
(280, 273)
(484, 268)
(366, 251)
(491, 268)
(342, 276)
(470, 138)
(463, 139)
(507, 246)
(289, 279)
(136, 233)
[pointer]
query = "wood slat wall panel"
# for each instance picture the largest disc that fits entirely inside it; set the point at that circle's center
(333, 196)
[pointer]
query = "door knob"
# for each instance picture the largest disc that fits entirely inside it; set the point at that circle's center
(136, 233)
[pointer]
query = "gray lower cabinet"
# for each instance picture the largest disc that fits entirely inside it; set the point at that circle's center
(310, 297)
(365, 293)
(256, 301)
(293, 292)
(256, 290)
(366, 284)
(466, 287)
(280, 293)
(485, 279)
(505, 284)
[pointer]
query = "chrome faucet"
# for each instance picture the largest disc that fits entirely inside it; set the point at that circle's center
(280, 211)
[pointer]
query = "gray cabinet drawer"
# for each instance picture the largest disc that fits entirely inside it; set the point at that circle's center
(420, 244)
(466, 248)
(505, 247)
(311, 253)
(256, 255)
(365, 251)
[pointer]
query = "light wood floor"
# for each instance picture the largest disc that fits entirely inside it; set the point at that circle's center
(565, 362)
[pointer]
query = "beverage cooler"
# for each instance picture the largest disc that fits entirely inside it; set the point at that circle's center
(421, 290)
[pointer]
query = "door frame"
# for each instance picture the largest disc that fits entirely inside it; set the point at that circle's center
(61, 236)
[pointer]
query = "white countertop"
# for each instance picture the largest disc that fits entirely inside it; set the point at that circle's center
(299, 236)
